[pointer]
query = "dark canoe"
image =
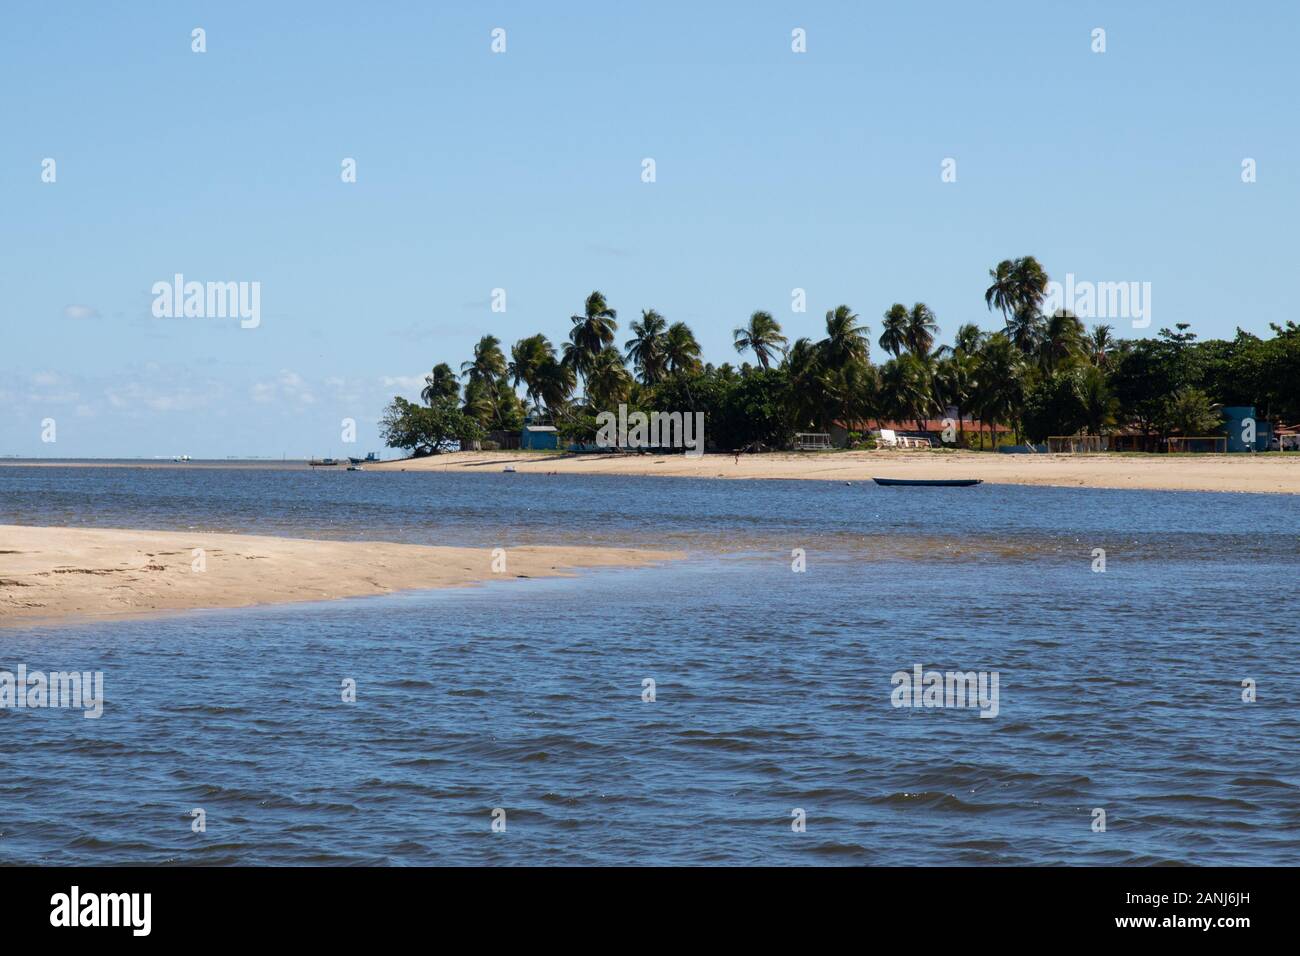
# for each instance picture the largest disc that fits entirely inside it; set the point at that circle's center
(930, 482)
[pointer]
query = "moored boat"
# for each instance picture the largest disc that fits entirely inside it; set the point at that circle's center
(930, 482)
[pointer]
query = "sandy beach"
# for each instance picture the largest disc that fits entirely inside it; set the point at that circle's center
(1242, 473)
(55, 573)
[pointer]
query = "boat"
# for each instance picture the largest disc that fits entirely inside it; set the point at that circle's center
(322, 462)
(355, 468)
(509, 469)
(930, 482)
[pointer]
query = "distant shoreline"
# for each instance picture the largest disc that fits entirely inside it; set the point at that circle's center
(289, 464)
(1258, 474)
(1254, 474)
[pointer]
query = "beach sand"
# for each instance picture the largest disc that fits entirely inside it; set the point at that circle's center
(1249, 473)
(56, 573)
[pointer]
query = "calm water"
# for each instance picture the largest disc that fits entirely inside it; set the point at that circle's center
(1119, 690)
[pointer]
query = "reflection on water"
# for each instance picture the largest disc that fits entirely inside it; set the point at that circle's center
(1119, 691)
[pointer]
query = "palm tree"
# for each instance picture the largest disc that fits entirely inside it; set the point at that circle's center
(607, 380)
(762, 336)
(921, 329)
(555, 384)
(893, 335)
(486, 373)
(1002, 293)
(1031, 282)
(803, 370)
(998, 395)
(845, 341)
(526, 358)
(681, 351)
(968, 339)
(1017, 284)
(1025, 330)
(489, 362)
(956, 379)
(645, 350)
(591, 333)
(1062, 339)
(847, 393)
(1099, 405)
(1100, 344)
(440, 385)
(906, 389)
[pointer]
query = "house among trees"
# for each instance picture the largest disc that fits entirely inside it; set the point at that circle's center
(966, 432)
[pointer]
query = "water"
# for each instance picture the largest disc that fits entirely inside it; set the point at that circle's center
(1118, 690)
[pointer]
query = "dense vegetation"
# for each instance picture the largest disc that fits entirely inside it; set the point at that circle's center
(1040, 375)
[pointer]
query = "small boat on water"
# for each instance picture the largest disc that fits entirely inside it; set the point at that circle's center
(930, 482)
(509, 469)
(355, 468)
(322, 462)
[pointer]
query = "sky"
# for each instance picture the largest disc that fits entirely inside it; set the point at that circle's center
(523, 170)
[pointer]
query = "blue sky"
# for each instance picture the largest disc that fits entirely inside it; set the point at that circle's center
(522, 171)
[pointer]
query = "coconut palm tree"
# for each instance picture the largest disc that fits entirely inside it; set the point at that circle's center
(1025, 330)
(645, 350)
(1031, 280)
(591, 333)
(968, 339)
(847, 393)
(1002, 293)
(893, 335)
(906, 389)
(527, 356)
(1062, 339)
(845, 341)
(607, 380)
(1017, 284)
(762, 336)
(803, 368)
(555, 384)
(440, 385)
(1100, 344)
(956, 379)
(681, 351)
(1099, 404)
(921, 329)
(489, 362)
(998, 394)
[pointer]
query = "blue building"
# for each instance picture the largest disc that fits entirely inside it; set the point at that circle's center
(1234, 425)
(539, 438)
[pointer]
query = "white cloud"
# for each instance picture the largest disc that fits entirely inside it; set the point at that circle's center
(402, 381)
(134, 396)
(287, 387)
(80, 312)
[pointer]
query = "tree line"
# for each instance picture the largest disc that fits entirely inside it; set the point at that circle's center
(1039, 375)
